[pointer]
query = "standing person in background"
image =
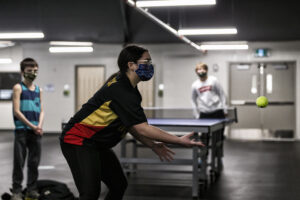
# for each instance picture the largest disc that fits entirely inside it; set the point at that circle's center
(208, 99)
(101, 123)
(28, 118)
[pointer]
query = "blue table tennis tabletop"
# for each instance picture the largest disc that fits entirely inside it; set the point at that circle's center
(197, 125)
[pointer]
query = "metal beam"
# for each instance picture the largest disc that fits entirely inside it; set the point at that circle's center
(124, 13)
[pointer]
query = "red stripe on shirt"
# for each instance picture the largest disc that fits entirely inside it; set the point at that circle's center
(79, 131)
(205, 88)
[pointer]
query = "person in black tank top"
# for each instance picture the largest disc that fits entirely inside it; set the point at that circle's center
(102, 122)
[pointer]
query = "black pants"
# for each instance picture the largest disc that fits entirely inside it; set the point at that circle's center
(90, 166)
(218, 114)
(26, 139)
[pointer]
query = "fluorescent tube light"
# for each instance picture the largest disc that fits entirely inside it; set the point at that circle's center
(4, 44)
(5, 60)
(70, 49)
(165, 3)
(208, 31)
(26, 35)
(224, 47)
(68, 43)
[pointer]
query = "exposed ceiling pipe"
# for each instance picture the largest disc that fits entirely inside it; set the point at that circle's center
(132, 3)
(125, 23)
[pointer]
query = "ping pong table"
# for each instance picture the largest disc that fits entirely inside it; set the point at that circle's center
(206, 130)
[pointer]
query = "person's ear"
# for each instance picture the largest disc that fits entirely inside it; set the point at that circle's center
(131, 66)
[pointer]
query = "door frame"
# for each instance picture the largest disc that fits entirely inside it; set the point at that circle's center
(250, 62)
(257, 62)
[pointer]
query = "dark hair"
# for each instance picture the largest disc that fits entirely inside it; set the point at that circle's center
(130, 53)
(28, 62)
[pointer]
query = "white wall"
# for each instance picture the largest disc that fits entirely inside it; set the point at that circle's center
(174, 67)
(16, 54)
(58, 70)
(178, 63)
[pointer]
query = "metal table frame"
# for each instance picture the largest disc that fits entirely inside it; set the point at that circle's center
(209, 128)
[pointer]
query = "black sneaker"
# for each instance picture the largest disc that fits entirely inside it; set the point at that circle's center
(32, 195)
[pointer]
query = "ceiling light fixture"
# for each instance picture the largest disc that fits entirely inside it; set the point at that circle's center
(4, 44)
(224, 46)
(168, 3)
(71, 49)
(208, 31)
(69, 43)
(25, 35)
(5, 60)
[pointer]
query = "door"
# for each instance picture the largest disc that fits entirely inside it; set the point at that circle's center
(89, 79)
(276, 81)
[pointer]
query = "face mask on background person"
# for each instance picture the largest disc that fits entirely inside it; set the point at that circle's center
(30, 76)
(202, 74)
(145, 71)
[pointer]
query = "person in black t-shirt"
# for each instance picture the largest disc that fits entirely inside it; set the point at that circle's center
(102, 122)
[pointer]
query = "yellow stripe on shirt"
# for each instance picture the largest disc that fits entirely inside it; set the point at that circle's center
(114, 80)
(103, 116)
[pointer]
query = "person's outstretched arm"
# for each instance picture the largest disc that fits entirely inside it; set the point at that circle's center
(163, 152)
(155, 133)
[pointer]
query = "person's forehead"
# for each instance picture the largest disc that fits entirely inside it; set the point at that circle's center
(146, 56)
(30, 68)
(198, 67)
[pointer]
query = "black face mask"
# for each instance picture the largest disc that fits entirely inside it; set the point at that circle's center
(30, 76)
(202, 74)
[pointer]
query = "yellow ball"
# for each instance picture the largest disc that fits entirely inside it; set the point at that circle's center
(262, 101)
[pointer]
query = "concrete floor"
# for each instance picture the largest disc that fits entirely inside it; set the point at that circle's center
(253, 170)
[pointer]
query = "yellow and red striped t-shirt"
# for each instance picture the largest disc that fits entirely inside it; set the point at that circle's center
(104, 120)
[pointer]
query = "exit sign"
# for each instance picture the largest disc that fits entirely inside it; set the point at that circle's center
(262, 52)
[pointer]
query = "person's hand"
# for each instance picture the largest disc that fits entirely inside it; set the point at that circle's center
(187, 141)
(164, 153)
(38, 130)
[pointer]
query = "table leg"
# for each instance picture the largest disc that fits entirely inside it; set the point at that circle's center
(195, 186)
(134, 153)
(123, 154)
(203, 154)
(213, 154)
(220, 146)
